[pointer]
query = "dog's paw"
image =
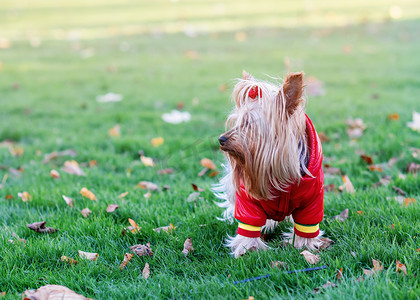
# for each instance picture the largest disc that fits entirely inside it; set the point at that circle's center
(239, 245)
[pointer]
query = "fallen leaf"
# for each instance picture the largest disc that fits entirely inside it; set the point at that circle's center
(326, 285)
(202, 172)
(156, 142)
(355, 128)
(147, 195)
(2, 294)
(408, 201)
(385, 181)
(377, 267)
(146, 271)
(136, 228)
(68, 200)
(326, 243)
(323, 137)
(331, 170)
(165, 228)
(347, 186)
(214, 173)
(330, 188)
(93, 163)
(109, 97)
(72, 167)
(69, 260)
(8, 197)
(394, 117)
(111, 208)
(25, 196)
(188, 247)
(415, 125)
(343, 216)
(142, 250)
(368, 159)
(207, 163)
(359, 212)
(115, 131)
(196, 188)
(88, 194)
(88, 255)
(53, 155)
(193, 197)
(166, 171)
(147, 185)
(399, 191)
(15, 150)
(122, 195)
(375, 168)
(176, 117)
(339, 274)
(399, 199)
(52, 292)
(54, 174)
(147, 161)
(86, 212)
(310, 258)
(223, 87)
(127, 258)
(413, 168)
(279, 264)
(401, 267)
(40, 227)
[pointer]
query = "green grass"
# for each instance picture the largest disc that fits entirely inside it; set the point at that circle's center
(48, 103)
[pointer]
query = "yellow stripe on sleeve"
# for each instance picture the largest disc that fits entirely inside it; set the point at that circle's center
(249, 227)
(307, 229)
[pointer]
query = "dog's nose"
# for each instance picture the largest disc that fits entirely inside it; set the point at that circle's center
(222, 140)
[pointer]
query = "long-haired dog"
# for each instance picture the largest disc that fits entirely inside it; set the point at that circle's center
(274, 165)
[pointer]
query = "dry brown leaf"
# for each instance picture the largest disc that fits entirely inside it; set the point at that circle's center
(127, 258)
(214, 173)
(368, 159)
(8, 197)
(165, 228)
(147, 185)
(394, 117)
(25, 196)
(88, 255)
(326, 243)
(355, 128)
(375, 168)
(193, 197)
(359, 212)
(310, 258)
(196, 188)
(323, 137)
(157, 141)
(146, 271)
(135, 228)
(142, 250)
(115, 131)
(339, 274)
(72, 167)
(147, 161)
(40, 227)
(54, 174)
(343, 216)
(279, 264)
(68, 200)
(330, 188)
(53, 155)
(326, 285)
(188, 247)
(69, 260)
(385, 181)
(15, 150)
(52, 292)
(399, 191)
(378, 266)
(86, 212)
(401, 267)
(111, 208)
(207, 163)
(165, 171)
(93, 163)
(347, 186)
(331, 170)
(88, 194)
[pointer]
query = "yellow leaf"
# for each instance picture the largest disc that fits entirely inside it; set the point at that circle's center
(408, 201)
(157, 141)
(207, 163)
(136, 227)
(25, 196)
(88, 194)
(347, 186)
(127, 258)
(393, 117)
(115, 131)
(147, 161)
(122, 195)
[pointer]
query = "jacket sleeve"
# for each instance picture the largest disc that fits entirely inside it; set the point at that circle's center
(249, 214)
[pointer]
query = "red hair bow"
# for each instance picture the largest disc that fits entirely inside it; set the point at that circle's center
(254, 92)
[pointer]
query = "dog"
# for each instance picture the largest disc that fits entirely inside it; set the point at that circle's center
(274, 165)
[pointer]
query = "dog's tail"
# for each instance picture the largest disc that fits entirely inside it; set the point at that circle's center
(225, 191)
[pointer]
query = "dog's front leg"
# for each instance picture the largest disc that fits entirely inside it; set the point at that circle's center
(239, 244)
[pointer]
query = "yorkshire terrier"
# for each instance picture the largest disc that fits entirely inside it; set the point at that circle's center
(274, 165)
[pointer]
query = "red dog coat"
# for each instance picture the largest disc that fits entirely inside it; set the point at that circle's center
(303, 200)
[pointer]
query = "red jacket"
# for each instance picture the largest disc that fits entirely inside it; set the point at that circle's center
(303, 200)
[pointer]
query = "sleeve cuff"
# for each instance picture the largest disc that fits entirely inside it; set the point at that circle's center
(306, 231)
(249, 230)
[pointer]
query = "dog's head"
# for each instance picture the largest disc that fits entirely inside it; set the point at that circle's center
(266, 134)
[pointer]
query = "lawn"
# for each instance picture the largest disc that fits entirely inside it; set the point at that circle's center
(56, 58)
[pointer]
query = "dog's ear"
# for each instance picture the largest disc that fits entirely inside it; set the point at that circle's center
(293, 90)
(246, 75)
